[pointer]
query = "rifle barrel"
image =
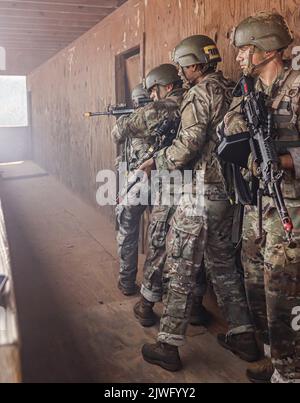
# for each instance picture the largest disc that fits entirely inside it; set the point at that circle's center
(116, 112)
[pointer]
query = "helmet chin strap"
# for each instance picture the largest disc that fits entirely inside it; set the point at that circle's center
(252, 68)
(159, 92)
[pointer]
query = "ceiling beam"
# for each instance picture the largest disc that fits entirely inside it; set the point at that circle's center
(38, 35)
(87, 3)
(41, 6)
(24, 29)
(32, 31)
(52, 15)
(36, 22)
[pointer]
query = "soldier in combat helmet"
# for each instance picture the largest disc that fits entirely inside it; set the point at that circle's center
(192, 233)
(272, 265)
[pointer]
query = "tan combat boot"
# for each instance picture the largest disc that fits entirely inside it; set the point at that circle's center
(243, 345)
(261, 372)
(163, 355)
(143, 311)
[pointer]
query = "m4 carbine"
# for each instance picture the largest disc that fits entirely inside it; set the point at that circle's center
(119, 110)
(263, 148)
(164, 136)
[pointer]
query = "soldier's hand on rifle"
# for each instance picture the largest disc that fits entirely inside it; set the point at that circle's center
(252, 166)
(148, 166)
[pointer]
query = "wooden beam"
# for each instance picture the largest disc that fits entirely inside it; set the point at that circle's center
(36, 22)
(33, 45)
(103, 3)
(36, 45)
(51, 36)
(32, 50)
(45, 7)
(47, 29)
(52, 15)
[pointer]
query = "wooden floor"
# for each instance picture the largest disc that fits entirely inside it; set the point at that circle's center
(75, 324)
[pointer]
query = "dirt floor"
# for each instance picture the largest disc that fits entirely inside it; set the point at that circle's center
(74, 323)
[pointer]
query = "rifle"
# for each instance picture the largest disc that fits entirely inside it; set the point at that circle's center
(164, 136)
(265, 155)
(119, 110)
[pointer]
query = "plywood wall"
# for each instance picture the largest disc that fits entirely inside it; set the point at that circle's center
(82, 77)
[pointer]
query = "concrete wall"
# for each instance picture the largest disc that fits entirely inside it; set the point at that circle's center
(14, 144)
(82, 77)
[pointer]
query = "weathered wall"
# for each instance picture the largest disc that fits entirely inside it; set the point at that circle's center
(82, 77)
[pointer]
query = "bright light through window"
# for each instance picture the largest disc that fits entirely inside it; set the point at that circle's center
(13, 101)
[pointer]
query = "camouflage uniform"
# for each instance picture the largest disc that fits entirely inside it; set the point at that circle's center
(192, 235)
(141, 126)
(152, 287)
(129, 216)
(272, 269)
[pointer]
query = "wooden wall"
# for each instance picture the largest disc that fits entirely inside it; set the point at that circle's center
(82, 77)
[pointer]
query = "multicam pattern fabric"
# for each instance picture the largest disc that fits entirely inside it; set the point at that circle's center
(139, 129)
(197, 235)
(272, 268)
(197, 138)
(152, 287)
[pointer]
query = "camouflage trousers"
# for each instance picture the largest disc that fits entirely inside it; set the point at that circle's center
(129, 218)
(272, 278)
(156, 257)
(192, 237)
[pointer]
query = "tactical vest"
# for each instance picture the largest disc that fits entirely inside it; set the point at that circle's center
(286, 118)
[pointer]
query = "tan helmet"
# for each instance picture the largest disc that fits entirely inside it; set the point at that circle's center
(196, 49)
(162, 75)
(138, 93)
(266, 31)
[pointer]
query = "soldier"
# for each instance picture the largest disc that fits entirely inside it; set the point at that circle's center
(164, 86)
(272, 267)
(129, 217)
(193, 232)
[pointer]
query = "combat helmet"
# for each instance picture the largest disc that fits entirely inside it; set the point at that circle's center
(139, 93)
(196, 49)
(162, 75)
(266, 31)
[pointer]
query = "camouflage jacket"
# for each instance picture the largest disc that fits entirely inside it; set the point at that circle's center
(133, 148)
(284, 97)
(203, 108)
(138, 129)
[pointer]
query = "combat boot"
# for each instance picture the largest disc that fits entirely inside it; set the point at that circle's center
(128, 290)
(243, 345)
(261, 372)
(199, 315)
(163, 355)
(143, 311)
